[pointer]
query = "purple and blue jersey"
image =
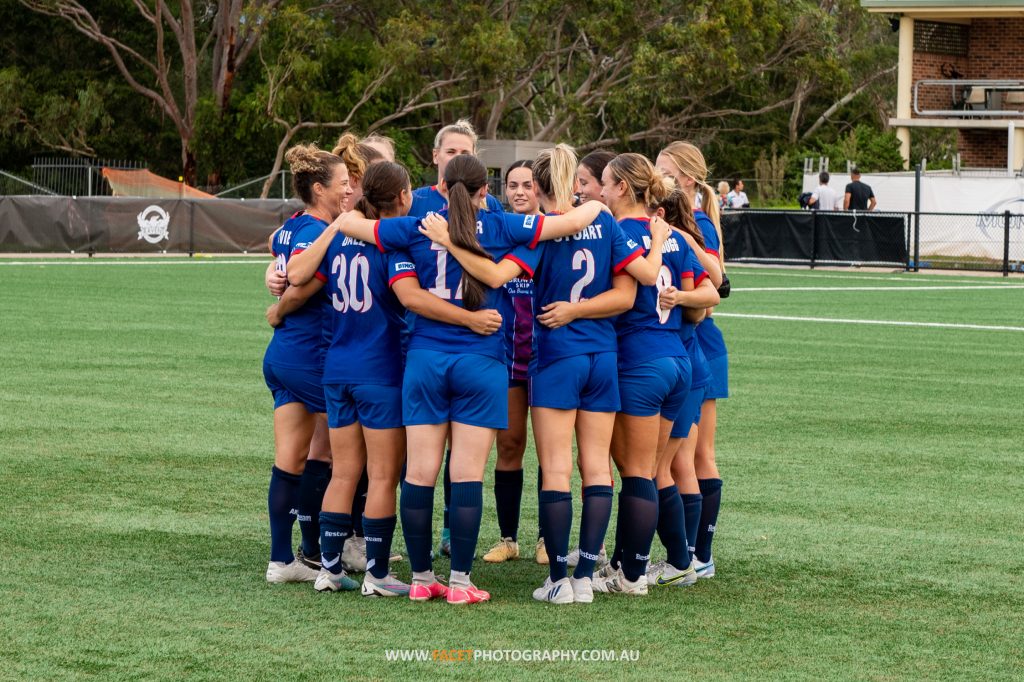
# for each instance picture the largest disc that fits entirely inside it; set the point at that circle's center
(300, 340)
(516, 309)
(574, 269)
(366, 318)
(429, 200)
(647, 332)
(503, 235)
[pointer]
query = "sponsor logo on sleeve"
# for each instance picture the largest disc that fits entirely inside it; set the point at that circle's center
(404, 266)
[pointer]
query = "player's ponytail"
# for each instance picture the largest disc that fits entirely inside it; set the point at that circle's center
(690, 162)
(464, 176)
(356, 155)
(383, 185)
(679, 213)
(554, 171)
(646, 184)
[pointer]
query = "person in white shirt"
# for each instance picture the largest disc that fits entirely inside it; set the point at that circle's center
(737, 198)
(824, 198)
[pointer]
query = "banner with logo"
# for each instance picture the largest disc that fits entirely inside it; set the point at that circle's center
(122, 225)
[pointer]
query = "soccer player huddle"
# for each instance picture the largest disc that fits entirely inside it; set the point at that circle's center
(414, 328)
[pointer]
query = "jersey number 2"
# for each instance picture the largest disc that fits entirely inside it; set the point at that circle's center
(582, 260)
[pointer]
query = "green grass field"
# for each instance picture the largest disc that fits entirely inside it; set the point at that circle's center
(871, 523)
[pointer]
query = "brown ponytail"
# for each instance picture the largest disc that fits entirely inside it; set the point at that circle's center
(679, 213)
(383, 185)
(464, 176)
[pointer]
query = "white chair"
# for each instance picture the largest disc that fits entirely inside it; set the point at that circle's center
(1013, 98)
(976, 98)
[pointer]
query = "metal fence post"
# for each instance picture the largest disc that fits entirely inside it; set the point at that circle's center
(282, 185)
(814, 238)
(910, 253)
(917, 222)
(191, 228)
(1006, 243)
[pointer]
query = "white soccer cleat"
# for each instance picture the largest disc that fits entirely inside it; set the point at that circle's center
(582, 590)
(559, 592)
(295, 572)
(664, 574)
(704, 570)
(617, 583)
(388, 586)
(353, 555)
(334, 582)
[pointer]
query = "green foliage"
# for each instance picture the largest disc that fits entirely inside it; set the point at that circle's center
(870, 150)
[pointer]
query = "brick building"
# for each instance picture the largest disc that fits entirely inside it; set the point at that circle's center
(961, 65)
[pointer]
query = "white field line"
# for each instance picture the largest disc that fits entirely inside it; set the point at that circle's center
(905, 277)
(90, 263)
(883, 288)
(887, 323)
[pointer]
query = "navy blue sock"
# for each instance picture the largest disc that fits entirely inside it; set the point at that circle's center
(447, 487)
(597, 511)
(672, 526)
(282, 505)
(711, 489)
(616, 559)
(335, 528)
(540, 485)
(417, 510)
(359, 503)
(638, 515)
(466, 512)
(314, 482)
(508, 497)
(379, 534)
(691, 510)
(555, 509)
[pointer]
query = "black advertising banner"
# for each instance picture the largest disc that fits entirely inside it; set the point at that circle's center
(35, 224)
(811, 236)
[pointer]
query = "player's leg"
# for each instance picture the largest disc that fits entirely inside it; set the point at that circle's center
(710, 483)
(425, 448)
(593, 442)
(293, 429)
(336, 517)
(508, 477)
(315, 478)
(552, 432)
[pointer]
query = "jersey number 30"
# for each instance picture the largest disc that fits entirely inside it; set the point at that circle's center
(351, 278)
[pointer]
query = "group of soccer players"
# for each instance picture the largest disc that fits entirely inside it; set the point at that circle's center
(414, 328)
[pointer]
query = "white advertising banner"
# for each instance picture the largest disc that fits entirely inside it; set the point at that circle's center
(977, 236)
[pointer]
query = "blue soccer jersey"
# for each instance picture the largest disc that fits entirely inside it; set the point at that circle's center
(710, 336)
(648, 332)
(366, 317)
(429, 200)
(300, 340)
(574, 269)
(688, 333)
(503, 235)
(708, 231)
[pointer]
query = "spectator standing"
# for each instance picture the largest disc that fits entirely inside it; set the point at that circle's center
(824, 198)
(859, 196)
(737, 198)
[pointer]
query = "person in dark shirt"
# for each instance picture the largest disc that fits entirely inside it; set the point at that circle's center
(859, 197)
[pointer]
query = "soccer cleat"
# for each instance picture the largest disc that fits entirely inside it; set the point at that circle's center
(605, 571)
(295, 572)
(574, 558)
(506, 550)
(704, 570)
(542, 552)
(663, 574)
(421, 592)
(445, 546)
(466, 594)
(388, 586)
(310, 561)
(559, 592)
(353, 556)
(334, 582)
(617, 583)
(582, 590)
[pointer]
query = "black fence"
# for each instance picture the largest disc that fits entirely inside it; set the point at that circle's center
(40, 224)
(912, 241)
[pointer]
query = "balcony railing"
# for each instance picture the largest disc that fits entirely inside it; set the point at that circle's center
(968, 98)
